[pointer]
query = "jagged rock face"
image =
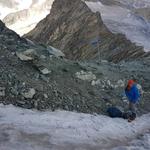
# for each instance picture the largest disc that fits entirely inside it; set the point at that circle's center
(72, 27)
(67, 27)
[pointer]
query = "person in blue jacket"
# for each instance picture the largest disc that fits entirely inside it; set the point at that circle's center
(132, 94)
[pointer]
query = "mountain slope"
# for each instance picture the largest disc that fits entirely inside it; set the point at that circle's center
(73, 27)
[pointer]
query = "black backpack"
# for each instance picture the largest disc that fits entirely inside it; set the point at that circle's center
(114, 112)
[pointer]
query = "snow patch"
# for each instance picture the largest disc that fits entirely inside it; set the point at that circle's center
(34, 130)
(29, 23)
(23, 4)
(86, 76)
(36, 10)
(4, 11)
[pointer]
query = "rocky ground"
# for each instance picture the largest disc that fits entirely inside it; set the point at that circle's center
(38, 76)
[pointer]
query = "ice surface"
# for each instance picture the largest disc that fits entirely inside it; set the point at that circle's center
(22, 129)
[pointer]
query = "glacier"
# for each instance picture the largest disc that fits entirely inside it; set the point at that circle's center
(62, 130)
(14, 6)
(35, 11)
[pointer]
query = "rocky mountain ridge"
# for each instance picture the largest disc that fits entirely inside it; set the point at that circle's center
(74, 29)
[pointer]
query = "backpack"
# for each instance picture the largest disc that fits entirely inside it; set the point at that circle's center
(114, 112)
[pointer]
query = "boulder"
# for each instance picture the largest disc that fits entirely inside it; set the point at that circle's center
(89, 76)
(23, 57)
(29, 93)
(55, 52)
(27, 55)
(2, 91)
(121, 83)
(45, 71)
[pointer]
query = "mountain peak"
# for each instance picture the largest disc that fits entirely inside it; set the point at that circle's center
(72, 27)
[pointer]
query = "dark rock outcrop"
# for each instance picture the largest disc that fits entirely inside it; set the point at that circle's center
(73, 28)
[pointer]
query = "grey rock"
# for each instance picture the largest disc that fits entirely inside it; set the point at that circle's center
(45, 96)
(27, 55)
(45, 71)
(23, 57)
(20, 103)
(55, 52)
(14, 91)
(89, 76)
(29, 93)
(2, 91)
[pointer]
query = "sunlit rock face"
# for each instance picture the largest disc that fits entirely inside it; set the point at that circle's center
(73, 27)
(22, 16)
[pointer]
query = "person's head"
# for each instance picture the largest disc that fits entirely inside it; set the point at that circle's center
(130, 84)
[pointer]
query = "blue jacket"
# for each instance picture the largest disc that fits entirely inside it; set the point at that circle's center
(133, 94)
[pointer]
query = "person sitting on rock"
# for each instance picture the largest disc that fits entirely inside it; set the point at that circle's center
(132, 94)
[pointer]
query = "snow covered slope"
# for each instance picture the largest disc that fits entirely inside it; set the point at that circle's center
(120, 17)
(60, 130)
(10, 6)
(22, 16)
